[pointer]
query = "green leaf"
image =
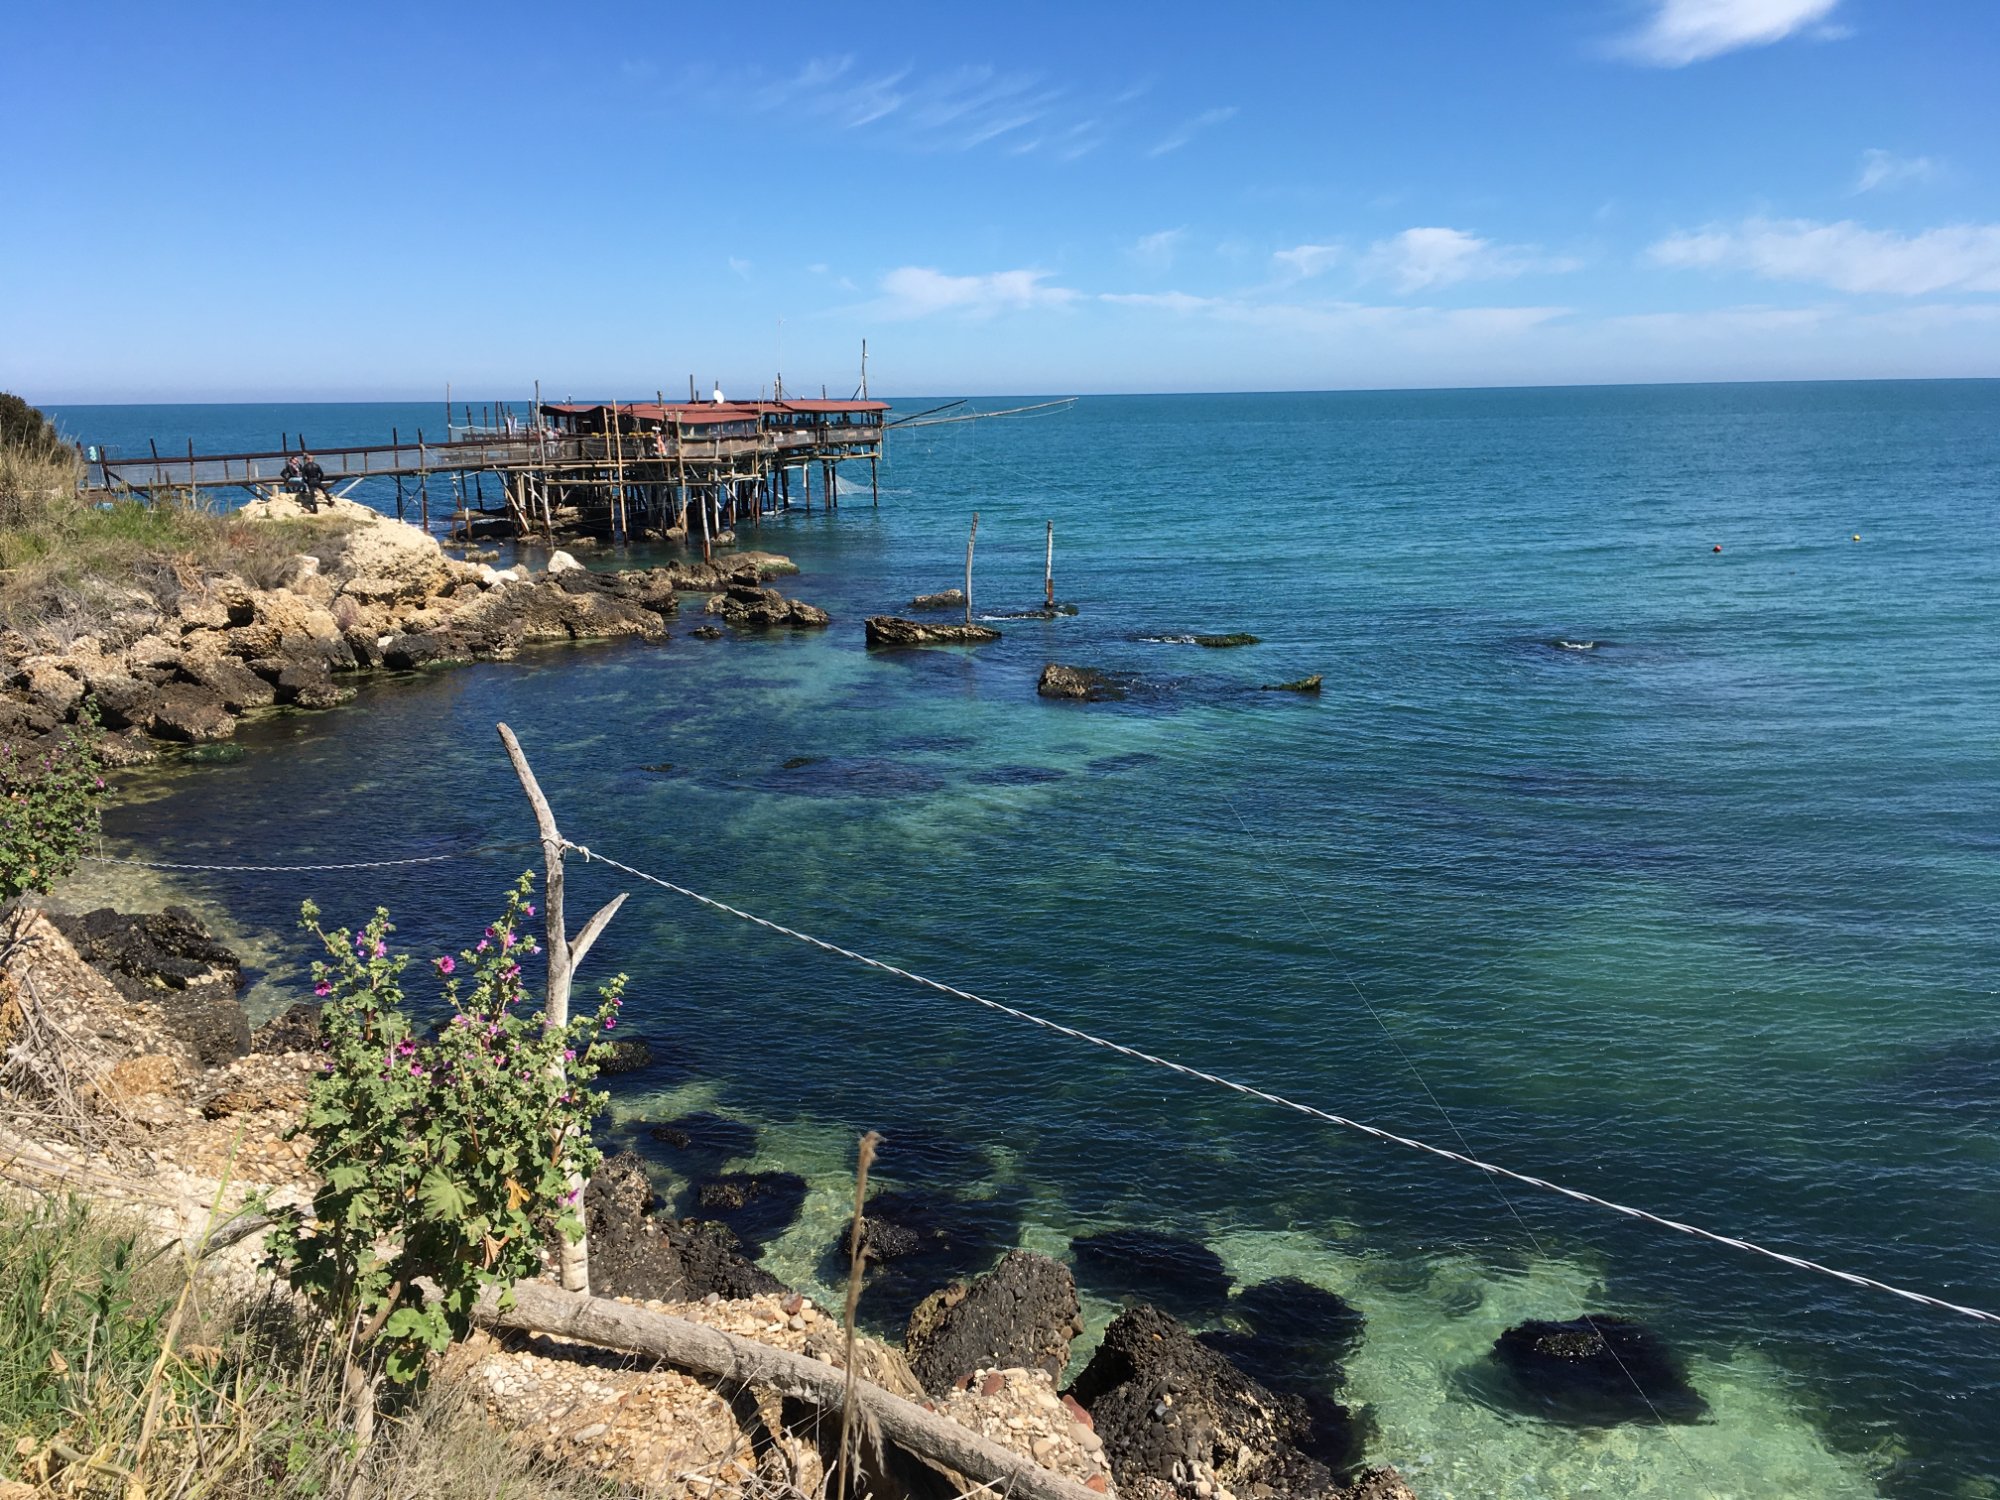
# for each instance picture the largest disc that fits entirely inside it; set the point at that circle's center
(440, 1197)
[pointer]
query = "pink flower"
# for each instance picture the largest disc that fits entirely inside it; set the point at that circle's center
(447, 964)
(529, 909)
(322, 989)
(569, 1054)
(609, 1022)
(381, 949)
(507, 939)
(512, 971)
(534, 948)
(416, 1070)
(481, 946)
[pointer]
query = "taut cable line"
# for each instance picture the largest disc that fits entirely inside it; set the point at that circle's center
(1376, 1132)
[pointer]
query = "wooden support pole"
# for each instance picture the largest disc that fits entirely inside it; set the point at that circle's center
(563, 958)
(874, 483)
(971, 537)
(1049, 571)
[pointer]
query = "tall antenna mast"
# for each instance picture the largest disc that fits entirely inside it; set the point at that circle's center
(864, 369)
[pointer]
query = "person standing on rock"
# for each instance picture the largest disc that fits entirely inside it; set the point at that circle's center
(290, 475)
(315, 483)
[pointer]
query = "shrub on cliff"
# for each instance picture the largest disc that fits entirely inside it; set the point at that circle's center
(37, 468)
(439, 1163)
(49, 792)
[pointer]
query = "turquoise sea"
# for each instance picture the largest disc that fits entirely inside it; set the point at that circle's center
(1667, 873)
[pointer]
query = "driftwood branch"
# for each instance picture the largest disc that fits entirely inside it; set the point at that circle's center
(593, 929)
(541, 1308)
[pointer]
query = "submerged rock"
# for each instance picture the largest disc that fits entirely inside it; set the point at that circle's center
(1148, 1265)
(890, 631)
(626, 1054)
(757, 1206)
(915, 1241)
(1596, 1371)
(1223, 642)
(1303, 685)
(700, 1144)
(1023, 1313)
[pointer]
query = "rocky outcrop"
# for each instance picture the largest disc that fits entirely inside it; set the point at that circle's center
(635, 1254)
(1176, 1418)
(173, 963)
(1596, 1371)
(376, 594)
(1083, 683)
(892, 631)
(749, 607)
(1024, 1313)
(1302, 685)
(948, 599)
(1224, 642)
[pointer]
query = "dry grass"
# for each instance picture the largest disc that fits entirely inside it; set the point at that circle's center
(121, 1374)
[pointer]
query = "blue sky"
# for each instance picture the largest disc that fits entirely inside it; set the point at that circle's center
(363, 200)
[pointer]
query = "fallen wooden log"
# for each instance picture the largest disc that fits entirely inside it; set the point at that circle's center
(542, 1308)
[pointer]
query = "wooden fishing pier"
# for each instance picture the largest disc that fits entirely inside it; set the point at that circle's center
(630, 469)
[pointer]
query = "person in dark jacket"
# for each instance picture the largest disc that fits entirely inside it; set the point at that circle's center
(315, 482)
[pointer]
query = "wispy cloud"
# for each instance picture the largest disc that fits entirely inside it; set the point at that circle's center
(1418, 259)
(1302, 262)
(1845, 256)
(920, 291)
(1885, 169)
(1179, 302)
(740, 266)
(1156, 251)
(1187, 130)
(1680, 32)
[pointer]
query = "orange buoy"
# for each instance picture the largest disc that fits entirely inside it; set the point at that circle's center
(1718, 546)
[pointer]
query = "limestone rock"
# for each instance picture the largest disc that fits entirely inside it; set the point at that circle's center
(1085, 683)
(947, 599)
(562, 562)
(893, 631)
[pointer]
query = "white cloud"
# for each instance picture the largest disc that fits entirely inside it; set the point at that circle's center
(1157, 250)
(1845, 256)
(740, 266)
(1304, 261)
(919, 291)
(1881, 169)
(1187, 130)
(1437, 256)
(1687, 31)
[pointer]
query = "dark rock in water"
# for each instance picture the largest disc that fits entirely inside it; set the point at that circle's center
(757, 1206)
(1300, 1313)
(1023, 1312)
(1147, 1265)
(1596, 1371)
(297, 1030)
(749, 607)
(659, 768)
(802, 760)
(1223, 642)
(948, 599)
(170, 961)
(1303, 685)
(916, 1241)
(1058, 681)
(634, 1254)
(699, 1144)
(707, 632)
(627, 1054)
(1015, 775)
(889, 631)
(854, 776)
(1163, 1403)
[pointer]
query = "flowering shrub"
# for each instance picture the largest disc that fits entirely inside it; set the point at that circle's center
(48, 808)
(437, 1161)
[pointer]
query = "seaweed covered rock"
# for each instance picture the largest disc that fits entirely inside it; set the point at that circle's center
(1149, 1265)
(635, 1254)
(1596, 1371)
(1086, 683)
(1173, 1414)
(1022, 1313)
(756, 1206)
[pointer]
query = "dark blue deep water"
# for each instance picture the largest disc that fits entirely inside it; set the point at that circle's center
(1700, 918)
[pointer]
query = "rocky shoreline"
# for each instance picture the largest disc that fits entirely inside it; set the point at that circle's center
(182, 663)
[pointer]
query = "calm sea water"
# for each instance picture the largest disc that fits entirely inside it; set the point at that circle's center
(1700, 918)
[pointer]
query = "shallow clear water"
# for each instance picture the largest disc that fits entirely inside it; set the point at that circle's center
(1699, 918)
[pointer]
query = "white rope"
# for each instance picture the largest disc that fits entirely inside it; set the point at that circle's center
(360, 864)
(1796, 1262)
